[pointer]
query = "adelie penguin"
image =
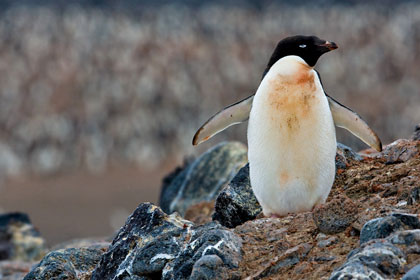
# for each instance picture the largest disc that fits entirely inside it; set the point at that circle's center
(291, 133)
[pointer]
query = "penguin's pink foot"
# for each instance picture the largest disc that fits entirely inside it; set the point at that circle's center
(275, 216)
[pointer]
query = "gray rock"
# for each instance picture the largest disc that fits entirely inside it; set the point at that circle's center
(344, 156)
(208, 267)
(400, 150)
(209, 239)
(154, 245)
(66, 264)
(327, 242)
(408, 241)
(203, 179)
(414, 273)
(19, 239)
(237, 203)
(416, 134)
(347, 152)
(374, 260)
(140, 231)
(383, 227)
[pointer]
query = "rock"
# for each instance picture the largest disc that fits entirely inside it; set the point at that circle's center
(210, 239)
(400, 150)
(374, 260)
(19, 239)
(416, 134)
(140, 231)
(327, 242)
(414, 273)
(408, 241)
(237, 203)
(208, 267)
(203, 179)
(383, 227)
(348, 153)
(73, 263)
(413, 196)
(153, 244)
(336, 215)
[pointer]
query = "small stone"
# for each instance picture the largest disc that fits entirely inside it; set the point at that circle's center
(383, 227)
(208, 267)
(414, 196)
(336, 215)
(66, 264)
(416, 134)
(374, 260)
(407, 240)
(400, 150)
(237, 203)
(209, 239)
(327, 242)
(203, 179)
(347, 153)
(414, 273)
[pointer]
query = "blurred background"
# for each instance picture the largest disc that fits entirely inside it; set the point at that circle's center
(100, 99)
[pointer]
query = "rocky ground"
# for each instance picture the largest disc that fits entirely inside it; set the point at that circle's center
(369, 228)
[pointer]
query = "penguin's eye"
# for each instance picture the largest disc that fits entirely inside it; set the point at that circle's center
(302, 46)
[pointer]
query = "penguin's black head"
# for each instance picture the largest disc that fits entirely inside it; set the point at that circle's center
(309, 48)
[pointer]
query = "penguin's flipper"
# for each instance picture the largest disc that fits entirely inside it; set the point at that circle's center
(347, 119)
(231, 115)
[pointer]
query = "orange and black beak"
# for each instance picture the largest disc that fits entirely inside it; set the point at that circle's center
(329, 45)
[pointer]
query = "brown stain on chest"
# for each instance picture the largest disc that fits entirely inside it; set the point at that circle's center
(284, 178)
(293, 97)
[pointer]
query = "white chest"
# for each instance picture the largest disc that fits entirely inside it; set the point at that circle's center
(291, 140)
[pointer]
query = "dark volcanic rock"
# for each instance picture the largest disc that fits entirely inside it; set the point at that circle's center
(66, 264)
(374, 260)
(19, 239)
(383, 227)
(335, 216)
(209, 239)
(413, 274)
(203, 179)
(141, 229)
(155, 245)
(237, 203)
